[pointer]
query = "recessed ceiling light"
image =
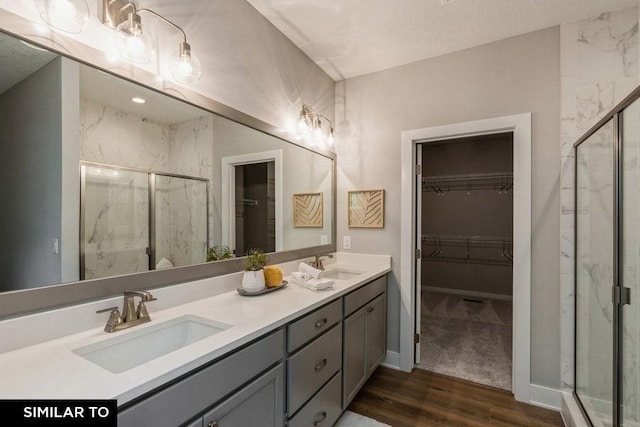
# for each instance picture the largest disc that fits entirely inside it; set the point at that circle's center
(138, 100)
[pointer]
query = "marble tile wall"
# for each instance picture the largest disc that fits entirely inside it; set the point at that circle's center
(191, 153)
(599, 67)
(110, 136)
(114, 137)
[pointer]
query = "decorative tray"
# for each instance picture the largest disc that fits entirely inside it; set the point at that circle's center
(264, 291)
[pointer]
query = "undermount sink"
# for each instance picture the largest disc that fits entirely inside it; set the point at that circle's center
(340, 274)
(124, 352)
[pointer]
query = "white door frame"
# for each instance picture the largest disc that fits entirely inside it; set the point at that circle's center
(229, 194)
(520, 125)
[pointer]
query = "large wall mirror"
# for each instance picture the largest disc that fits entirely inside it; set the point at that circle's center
(104, 178)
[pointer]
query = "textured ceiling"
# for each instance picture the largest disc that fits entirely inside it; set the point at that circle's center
(348, 38)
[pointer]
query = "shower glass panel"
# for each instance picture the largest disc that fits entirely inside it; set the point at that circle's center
(115, 226)
(630, 240)
(595, 274)
(181, 221)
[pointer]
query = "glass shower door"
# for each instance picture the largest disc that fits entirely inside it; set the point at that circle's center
(181, 222)
(630, 244)
(114, 222)
(595, 274)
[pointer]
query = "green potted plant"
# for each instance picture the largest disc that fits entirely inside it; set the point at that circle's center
(253, 279)
(218, 253)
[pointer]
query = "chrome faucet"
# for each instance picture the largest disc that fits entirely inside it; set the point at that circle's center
(317, 263)
(130, 316)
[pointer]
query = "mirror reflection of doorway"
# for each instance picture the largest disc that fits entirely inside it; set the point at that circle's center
(255, 213)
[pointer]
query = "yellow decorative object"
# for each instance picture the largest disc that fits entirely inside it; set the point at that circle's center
(272, 276)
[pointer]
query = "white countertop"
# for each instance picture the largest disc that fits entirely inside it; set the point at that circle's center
(50, 370)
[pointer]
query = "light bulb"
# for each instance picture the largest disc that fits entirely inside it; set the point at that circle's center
(185, 67)
(70, 16)
(135, 49)
(135, 45)
(303, 126)
(318, 135)
(330, 139)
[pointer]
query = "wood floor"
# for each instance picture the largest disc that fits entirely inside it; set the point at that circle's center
(423, 398)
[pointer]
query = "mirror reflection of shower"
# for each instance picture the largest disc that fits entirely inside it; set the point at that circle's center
(255, 210)
(135, 220)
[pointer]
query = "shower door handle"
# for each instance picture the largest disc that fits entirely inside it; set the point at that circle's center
(621, 295)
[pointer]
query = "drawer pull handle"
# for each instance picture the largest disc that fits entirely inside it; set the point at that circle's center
(323, 416)
(212, 424)
(370, 309)
(320, 323)
(320, 365)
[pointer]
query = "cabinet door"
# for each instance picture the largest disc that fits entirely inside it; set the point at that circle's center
(376, 332)
(261, 403)
(355, 361)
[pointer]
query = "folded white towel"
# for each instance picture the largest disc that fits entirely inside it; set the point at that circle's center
(313, 272)
(313, 284)
(300, 276)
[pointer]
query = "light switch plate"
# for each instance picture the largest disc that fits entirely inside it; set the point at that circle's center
(346, 242)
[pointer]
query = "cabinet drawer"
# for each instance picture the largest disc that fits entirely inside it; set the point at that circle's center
(312, 367)
(363, 295)
(323, 410)
(179, 402)
(310, 326)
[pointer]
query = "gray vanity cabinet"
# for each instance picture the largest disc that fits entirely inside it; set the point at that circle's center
(260, 403)
(364, 336)
(193, 395)
(304, 374)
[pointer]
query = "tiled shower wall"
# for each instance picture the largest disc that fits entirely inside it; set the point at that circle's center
(599, 68)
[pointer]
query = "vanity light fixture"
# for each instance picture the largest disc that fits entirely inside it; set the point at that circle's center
(124, 17)
(69, 16)
(314, 127)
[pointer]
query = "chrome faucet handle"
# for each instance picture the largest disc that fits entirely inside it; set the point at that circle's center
(141, 312)
(114, 318)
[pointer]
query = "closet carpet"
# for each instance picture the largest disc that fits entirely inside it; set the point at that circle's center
(467, 340)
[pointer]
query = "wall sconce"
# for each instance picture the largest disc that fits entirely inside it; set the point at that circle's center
(124, 17)
(315, 127)
(69, 16)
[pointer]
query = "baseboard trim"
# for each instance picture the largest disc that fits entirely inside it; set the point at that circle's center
(468, 293)
(392, 360)
(545, 397)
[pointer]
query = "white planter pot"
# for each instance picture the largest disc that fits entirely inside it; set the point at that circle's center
(253, 281)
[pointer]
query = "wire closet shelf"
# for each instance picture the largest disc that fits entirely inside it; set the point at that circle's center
(498, 181)
(492, 250)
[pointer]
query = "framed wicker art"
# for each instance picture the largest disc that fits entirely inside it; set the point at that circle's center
(366, 209)
(308, 210)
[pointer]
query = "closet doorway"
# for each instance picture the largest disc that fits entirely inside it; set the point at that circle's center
(465, 270)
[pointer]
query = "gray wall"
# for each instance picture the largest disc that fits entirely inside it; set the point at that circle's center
(512, 76)
(32, 179)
